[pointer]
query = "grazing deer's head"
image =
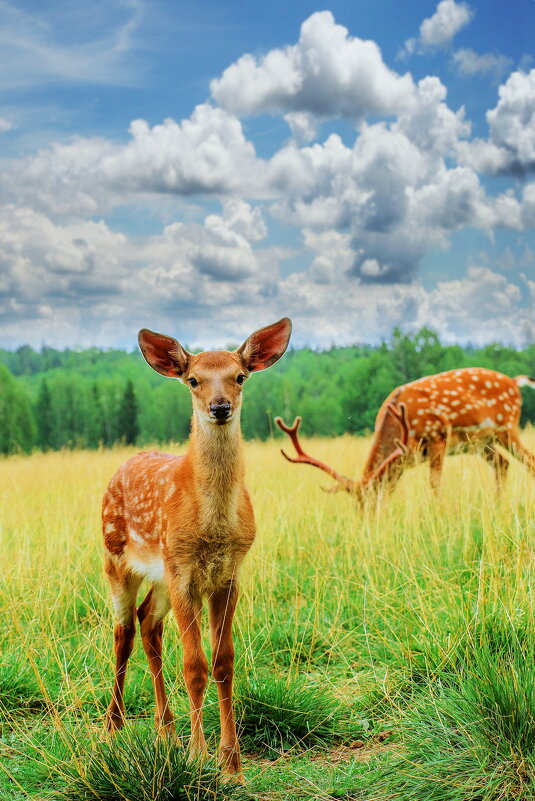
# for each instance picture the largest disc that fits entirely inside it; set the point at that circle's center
(396, 415)
(215, 378)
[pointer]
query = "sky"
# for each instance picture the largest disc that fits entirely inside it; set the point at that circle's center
(205, 168)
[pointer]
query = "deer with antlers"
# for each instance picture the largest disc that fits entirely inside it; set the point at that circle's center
(469, 407)
(185, 523)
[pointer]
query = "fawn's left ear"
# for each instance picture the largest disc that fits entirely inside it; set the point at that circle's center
(266, 346)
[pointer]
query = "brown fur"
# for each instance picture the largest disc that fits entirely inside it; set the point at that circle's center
(469, 407)
(186, 523)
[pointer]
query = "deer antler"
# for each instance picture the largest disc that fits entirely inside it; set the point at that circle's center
(398, 412)
(304, 458)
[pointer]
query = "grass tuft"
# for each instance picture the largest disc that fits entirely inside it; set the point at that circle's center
(133, 766)
(470, 742)
(275, 715)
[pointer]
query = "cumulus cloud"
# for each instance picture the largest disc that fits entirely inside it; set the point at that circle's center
(204, 154)
(481, 307)
(327, 73)
(470, 63)
(510, 148)
(5, 125)
(368, 208)
(439, 29)
(83, 283)
(83, 271)
(396, 191)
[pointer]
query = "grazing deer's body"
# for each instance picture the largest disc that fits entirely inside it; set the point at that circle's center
(185, 523)
(469, 407)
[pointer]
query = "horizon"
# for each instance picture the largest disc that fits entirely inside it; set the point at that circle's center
(320, 348)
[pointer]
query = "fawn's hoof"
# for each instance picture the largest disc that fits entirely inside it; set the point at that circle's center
(165, 726)
(114, 720)
(230, 762)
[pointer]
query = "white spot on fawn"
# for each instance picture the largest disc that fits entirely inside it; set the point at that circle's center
(135, 536)
(151, 568)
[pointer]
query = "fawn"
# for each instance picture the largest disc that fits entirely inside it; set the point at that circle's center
(185, 523)
(469, 407)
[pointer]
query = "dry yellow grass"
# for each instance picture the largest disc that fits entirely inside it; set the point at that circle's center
(50, 520)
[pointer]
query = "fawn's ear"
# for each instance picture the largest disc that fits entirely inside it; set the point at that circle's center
(164, 354)
(266, 346)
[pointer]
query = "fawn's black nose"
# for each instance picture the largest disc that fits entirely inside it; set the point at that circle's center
(220, 410)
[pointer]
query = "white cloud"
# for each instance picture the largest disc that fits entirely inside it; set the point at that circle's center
(528, 206)
(368, 210)
(207, 153)
(85, 274)
(327, 73)
(449, 18)
(394, 191)
(469, 63)
(510, 148)
(83, 283)
(5, 125)
(302, 125)
(439, 29)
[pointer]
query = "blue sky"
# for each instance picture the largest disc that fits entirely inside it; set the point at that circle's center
(206, 168)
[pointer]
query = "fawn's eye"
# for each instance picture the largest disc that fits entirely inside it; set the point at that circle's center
(193, 382)
(241, 378)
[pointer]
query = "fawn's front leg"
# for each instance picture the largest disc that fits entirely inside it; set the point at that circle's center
(187, 607)
(222, 605)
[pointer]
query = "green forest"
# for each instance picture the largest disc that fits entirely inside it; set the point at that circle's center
(52, 399)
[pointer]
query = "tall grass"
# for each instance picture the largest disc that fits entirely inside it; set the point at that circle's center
(392, 614)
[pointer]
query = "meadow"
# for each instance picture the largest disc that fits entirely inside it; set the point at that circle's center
(384, 653)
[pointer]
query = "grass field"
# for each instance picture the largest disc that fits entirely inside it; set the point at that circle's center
(381, 654)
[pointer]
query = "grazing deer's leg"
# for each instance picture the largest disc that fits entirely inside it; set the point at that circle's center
(511, 441)
(187, 609)
(500, 465)
(222, 605)
(124, 592)
(436, 450)
(151, 614)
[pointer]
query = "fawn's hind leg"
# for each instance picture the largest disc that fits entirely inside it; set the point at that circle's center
(151, 614)
(124, 587)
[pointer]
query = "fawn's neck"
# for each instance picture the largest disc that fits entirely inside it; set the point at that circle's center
(217, 460)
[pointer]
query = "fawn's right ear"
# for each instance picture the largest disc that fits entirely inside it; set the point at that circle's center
(164, 354)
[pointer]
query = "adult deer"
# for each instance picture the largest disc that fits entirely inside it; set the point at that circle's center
(470, 407)
(185, 523)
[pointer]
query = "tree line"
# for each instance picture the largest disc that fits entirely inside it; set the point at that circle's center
(89, 398)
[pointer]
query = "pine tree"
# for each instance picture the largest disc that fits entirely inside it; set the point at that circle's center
(43, 413)
(95, 429)
(127, 424)
(17, 424)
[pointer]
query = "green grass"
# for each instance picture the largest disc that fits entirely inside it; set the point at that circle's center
(278, 714)
(472, 739)
(381, 654)
(133, 766)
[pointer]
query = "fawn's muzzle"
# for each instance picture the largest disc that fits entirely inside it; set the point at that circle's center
(221, 411)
